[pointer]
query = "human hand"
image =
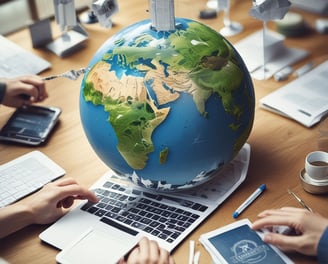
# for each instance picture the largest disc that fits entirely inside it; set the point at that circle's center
(308, 227)
(53, 199)
(148, 252)
(24, 90)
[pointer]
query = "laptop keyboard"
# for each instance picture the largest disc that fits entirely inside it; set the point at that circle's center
(144, 211)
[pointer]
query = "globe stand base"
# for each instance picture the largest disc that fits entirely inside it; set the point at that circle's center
(69, 42)
(233, 29)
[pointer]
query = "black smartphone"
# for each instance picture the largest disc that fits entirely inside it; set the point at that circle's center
(30, 124)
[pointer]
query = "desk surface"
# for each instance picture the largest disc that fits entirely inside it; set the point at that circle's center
(279, 145)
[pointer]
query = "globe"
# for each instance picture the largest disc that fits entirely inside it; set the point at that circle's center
(167, 109)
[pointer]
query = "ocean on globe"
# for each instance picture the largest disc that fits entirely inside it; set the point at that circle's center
(167, 109)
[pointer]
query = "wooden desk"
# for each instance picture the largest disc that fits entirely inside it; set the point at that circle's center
(278, 145)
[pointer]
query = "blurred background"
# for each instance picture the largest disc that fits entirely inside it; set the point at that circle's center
(16, 14)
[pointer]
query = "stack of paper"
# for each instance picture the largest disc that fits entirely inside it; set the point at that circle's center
(304, 99)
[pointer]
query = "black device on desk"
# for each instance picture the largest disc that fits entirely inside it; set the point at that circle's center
(30, 124)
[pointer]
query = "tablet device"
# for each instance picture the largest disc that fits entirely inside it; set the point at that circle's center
(30, 124)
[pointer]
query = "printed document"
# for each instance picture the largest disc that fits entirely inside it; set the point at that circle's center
(305, 99)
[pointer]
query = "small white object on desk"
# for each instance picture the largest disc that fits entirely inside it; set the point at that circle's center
(304, 69)
(191, 251)
(193, 256)
(283, 74)
(196, 257)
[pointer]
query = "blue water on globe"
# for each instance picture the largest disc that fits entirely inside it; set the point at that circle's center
(167, 109)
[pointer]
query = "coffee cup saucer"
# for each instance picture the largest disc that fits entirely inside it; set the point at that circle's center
(311, 179)
(313, 186)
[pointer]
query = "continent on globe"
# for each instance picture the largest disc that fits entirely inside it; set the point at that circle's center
(167, 108)
(132, 115)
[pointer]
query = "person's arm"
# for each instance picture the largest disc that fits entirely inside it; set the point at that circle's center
(308, 227)
(24, 90)
(322, 248)
(43, 207)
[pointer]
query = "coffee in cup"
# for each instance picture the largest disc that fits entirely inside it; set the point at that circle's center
(316, 165)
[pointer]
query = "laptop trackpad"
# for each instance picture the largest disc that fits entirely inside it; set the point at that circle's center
(97, 246)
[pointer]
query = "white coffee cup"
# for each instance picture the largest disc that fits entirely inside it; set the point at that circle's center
(316, 165)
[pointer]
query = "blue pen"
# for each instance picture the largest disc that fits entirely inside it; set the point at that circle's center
(249, 200)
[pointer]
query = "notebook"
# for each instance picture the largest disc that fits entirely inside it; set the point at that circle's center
(17, 61)
(25, 175)
(91, 234)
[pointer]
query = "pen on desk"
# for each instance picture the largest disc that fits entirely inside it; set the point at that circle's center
(304, 69)
(283, 74)
(249, 200)
(299, 200)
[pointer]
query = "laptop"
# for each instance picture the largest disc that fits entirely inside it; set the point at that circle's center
(103, 232)
(25, 175)
(17, 61)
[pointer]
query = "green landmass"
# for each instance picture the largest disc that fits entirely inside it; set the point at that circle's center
(163, 155)
(201, 57)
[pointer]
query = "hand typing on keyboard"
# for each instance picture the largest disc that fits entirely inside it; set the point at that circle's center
(123, 208)
(52, 201)
(43, 207)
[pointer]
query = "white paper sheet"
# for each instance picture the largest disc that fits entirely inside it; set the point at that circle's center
(304, 99)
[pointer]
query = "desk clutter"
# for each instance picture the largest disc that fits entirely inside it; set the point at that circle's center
(128, 209)
(306, 95)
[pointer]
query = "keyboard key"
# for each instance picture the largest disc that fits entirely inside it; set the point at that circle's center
(143, 211)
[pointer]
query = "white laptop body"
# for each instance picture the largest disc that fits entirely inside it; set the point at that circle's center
(82, 235)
